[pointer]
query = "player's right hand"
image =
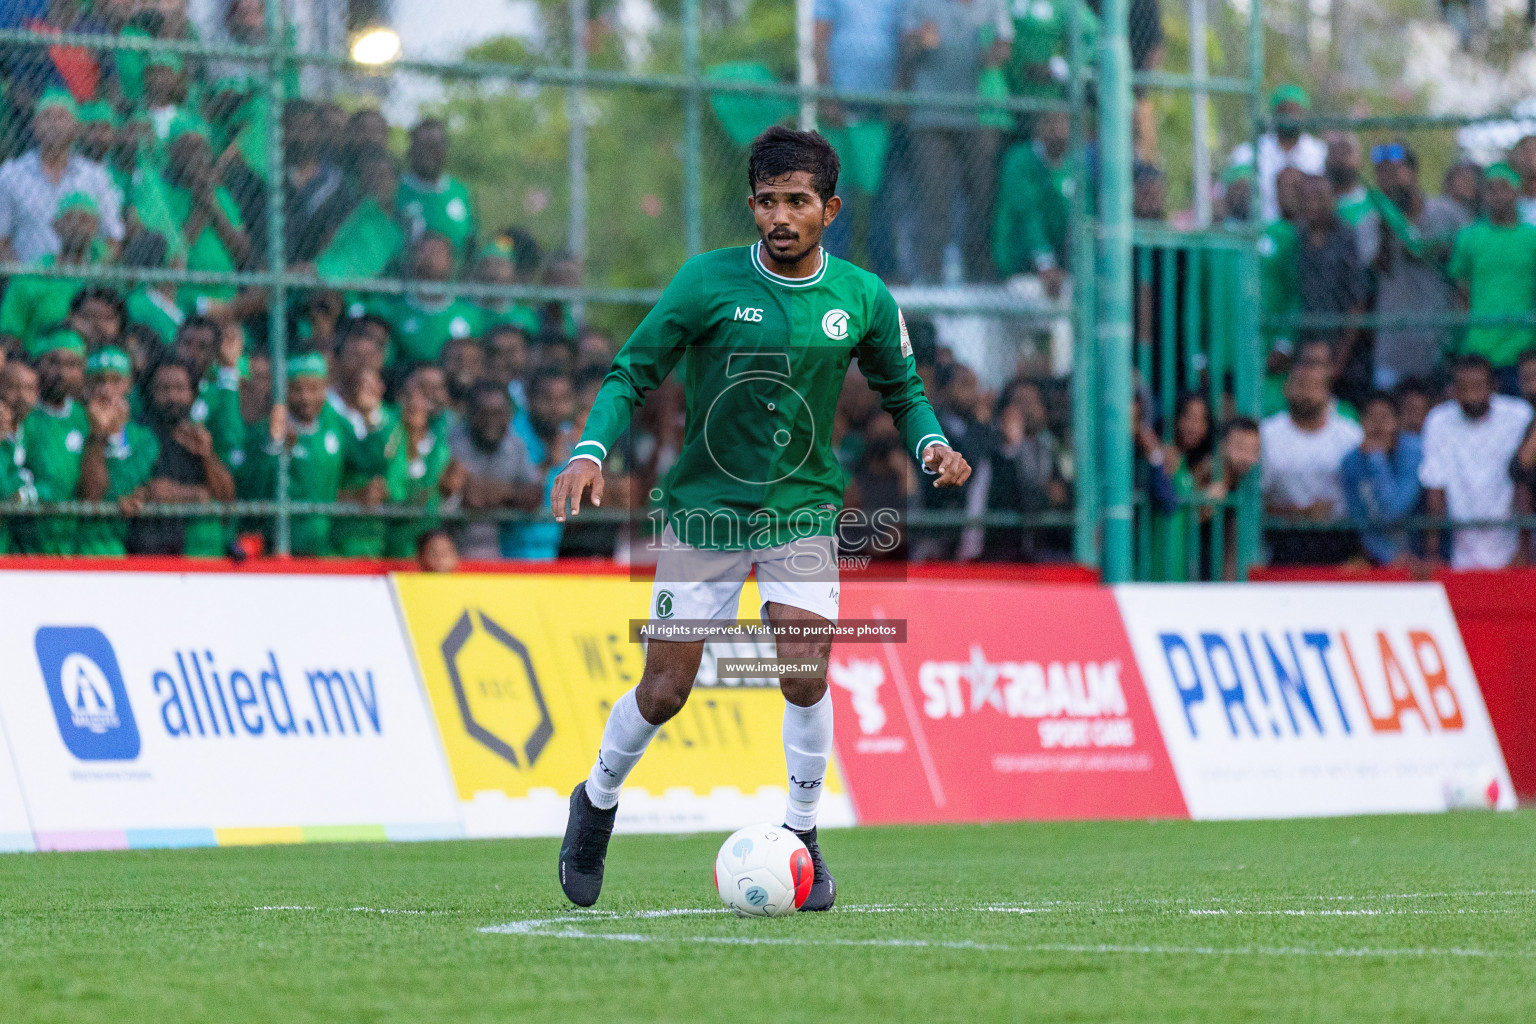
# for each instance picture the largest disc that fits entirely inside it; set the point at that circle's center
(574, 479)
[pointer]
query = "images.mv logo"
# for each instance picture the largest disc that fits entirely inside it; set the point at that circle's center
(86, 688)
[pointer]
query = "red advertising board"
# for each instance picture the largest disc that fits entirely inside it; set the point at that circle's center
(1004, 701)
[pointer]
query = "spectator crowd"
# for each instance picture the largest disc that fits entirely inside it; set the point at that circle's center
(1367, 429)
(118, 387)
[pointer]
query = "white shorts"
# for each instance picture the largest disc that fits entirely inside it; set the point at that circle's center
(699, 584)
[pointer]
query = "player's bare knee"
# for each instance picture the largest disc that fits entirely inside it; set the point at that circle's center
(660, 697)
(667, 680)
(803, 691)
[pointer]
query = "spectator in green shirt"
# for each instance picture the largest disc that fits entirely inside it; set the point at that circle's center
(367, 480)
(431, 199)
(98, 131)
(1029, 231)
(18, 397)
(1493, 263)
(32, 305)
(207, 218)
(153, 303)
(97, 313)
(429, 379)
(369, 242)
(214, 355)
(1037, 61)
(118, 455)
(322, 449)
(421, 471)
(424, 319)
(54, 436)
(166, 109)
(495, 265)
(1342, 169)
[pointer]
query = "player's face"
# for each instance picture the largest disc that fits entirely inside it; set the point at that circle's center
(791, 216)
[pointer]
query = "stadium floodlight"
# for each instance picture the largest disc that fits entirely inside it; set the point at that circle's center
(378, 44)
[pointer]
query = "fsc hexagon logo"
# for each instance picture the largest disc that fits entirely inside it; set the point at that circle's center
(497, 690)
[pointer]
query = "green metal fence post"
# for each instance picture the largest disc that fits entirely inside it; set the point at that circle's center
(1249, 353)
(576, 148)
(277, 297)
(1085, 420)
(1114, 286)
(693, 130)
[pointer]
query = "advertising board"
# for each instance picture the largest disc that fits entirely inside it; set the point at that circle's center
(154, 709)
(1004, 701)
(1283, 700)
(521, 672)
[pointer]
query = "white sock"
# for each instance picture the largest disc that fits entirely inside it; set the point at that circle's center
(807, 746)
(625, 738)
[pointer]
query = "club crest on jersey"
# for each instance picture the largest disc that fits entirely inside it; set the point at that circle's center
(835, 324)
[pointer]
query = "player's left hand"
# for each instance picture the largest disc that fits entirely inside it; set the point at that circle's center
(950, 465)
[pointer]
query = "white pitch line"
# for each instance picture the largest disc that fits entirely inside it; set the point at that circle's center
(542, 928)
(1346, 913)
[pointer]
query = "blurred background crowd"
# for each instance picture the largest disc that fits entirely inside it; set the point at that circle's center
(443, 411)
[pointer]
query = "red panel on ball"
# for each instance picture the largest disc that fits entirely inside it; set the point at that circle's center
(804, 873)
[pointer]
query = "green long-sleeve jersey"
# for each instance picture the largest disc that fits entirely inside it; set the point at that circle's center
(764, 358)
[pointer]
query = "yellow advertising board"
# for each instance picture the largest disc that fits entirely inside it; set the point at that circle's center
(521, 672)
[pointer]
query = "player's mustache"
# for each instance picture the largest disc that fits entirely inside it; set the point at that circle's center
(784, 234)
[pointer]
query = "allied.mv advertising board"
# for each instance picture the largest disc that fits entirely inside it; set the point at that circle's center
(164, 710)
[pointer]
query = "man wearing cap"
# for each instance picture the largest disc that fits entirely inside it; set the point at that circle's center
(54, 439)
(430, 198)
(118, 455)
(1493, 262)
(322, 448)
(98, 131)
(34, 304)
(1283, 147)
(165, 101)
(32, 184)
(1405, 242)
(495, 264)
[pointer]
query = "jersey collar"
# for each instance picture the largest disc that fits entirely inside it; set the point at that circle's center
(788, 282)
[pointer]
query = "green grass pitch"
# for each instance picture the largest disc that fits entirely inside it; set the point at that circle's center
(1359, 919)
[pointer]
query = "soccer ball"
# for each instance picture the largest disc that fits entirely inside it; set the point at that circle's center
(763, 871)
(1475, 791)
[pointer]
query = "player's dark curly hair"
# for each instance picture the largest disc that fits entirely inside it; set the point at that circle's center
(780, 151)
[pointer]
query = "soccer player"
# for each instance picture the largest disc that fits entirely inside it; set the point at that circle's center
(765, 333)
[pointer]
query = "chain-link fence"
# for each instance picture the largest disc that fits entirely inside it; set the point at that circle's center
(272, 286)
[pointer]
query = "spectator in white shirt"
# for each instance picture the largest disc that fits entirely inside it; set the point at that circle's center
(1284, 147)
(32, 184)
(1304, 447)
(1468, 445)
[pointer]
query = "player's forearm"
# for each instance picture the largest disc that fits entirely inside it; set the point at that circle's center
(610, 415)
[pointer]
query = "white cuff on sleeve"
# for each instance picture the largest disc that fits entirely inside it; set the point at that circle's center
(589, 457)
